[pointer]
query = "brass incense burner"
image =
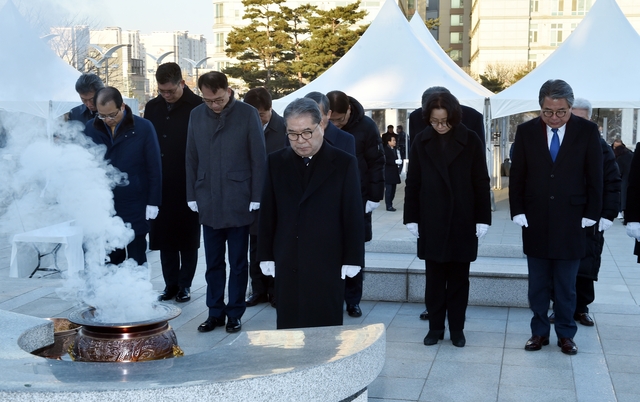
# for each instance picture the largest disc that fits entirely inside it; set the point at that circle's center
(151, 339)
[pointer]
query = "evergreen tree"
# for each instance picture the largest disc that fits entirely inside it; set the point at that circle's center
(333, 33)
(298, 28)
(263, 48)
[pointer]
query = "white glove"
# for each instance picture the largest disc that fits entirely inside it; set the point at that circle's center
(521, 220)
(254, 206)
(268, 268)
(586, 222)
(371, 206)
(481, 229)
(193, 205)
(604, 224)
(633, 230)
(152, 212)
(413, 228)
(398, 161)
(350, 271)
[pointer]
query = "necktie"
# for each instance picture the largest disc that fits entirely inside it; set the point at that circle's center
(306, 160)
(555, 144)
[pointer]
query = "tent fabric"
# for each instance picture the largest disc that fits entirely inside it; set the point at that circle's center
(599, 60)
(389, 68)
(33, 79)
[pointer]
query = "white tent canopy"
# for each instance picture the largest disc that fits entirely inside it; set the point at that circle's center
(599, 60)
(389, 68)
(33, 79)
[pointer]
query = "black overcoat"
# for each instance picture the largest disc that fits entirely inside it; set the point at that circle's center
(177, 227)
(391, 172)
(447, 193)
(311, 233)
(632, 213)
(556, 196)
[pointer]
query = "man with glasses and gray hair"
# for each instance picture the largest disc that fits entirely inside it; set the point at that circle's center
(86, 86)
(555, 192)
(311, 231)
(176, 230)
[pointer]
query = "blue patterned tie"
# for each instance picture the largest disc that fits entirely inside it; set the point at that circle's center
(555, 144)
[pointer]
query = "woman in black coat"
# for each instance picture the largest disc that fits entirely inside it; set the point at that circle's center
(447, 206)
(391, 172)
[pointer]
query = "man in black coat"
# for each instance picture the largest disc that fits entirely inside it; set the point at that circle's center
(86, 86)
(275, 139)
(176, 231)
(471, 118)
(555, 192)
(348, 114)
(590, 264)
(311, 232)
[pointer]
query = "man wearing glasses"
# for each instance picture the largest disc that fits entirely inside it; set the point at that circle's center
(132, 147)
(176, 230)
(555, 192)
(311, 231)
(86, 86)
(225, 162)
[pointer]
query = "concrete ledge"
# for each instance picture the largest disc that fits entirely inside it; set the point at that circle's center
(311, 364)
(410, 247)
(22, 334)
(493, 282)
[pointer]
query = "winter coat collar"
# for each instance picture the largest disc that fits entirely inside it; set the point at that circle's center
(125, 124)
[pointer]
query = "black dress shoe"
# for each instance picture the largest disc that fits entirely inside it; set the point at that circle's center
(457, 338)
(433, 336)
(168, 293)
(234, 325)
(568, 346)
(392, 209)
(552, 318)
(354, 310)
(536, 342)
(584, 319)
(211, 324)
(255, 299)
(184, 295)
(424, 315)
(272, 301)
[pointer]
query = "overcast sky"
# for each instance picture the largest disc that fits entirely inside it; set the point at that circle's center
(195, 16)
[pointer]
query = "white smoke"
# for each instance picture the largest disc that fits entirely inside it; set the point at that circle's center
(49, 181)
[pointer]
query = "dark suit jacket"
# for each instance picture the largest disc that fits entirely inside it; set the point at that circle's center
(275, 135)
(340, 139)
(470, 118)
(447, 193)
(632, 213)
(311, 233)
(556, 196)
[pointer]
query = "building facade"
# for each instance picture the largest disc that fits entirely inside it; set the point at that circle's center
(526, 32)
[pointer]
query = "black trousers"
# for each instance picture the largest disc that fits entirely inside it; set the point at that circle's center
(353, 288)
(137, 250)
(389, 194)
(260, 283)
(586, 294)
(178, 267)
(447, 293)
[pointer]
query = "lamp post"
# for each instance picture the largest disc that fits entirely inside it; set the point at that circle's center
(196, 65)
(106, 54)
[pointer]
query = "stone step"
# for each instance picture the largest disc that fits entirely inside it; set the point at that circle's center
(494, 281)
(410, 247)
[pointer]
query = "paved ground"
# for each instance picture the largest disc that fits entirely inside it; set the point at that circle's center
(492, 367)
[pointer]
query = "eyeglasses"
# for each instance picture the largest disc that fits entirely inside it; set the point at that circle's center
(436, 123)
(218, 101)
(558, 113)
(108, 116)
(338, 120)
(168, 92)
(306, 134)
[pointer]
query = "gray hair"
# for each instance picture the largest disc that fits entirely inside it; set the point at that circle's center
(556, 89)
(430, 91)
(88, 83)
(303, 106)
(321, 99)
(582, 103)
